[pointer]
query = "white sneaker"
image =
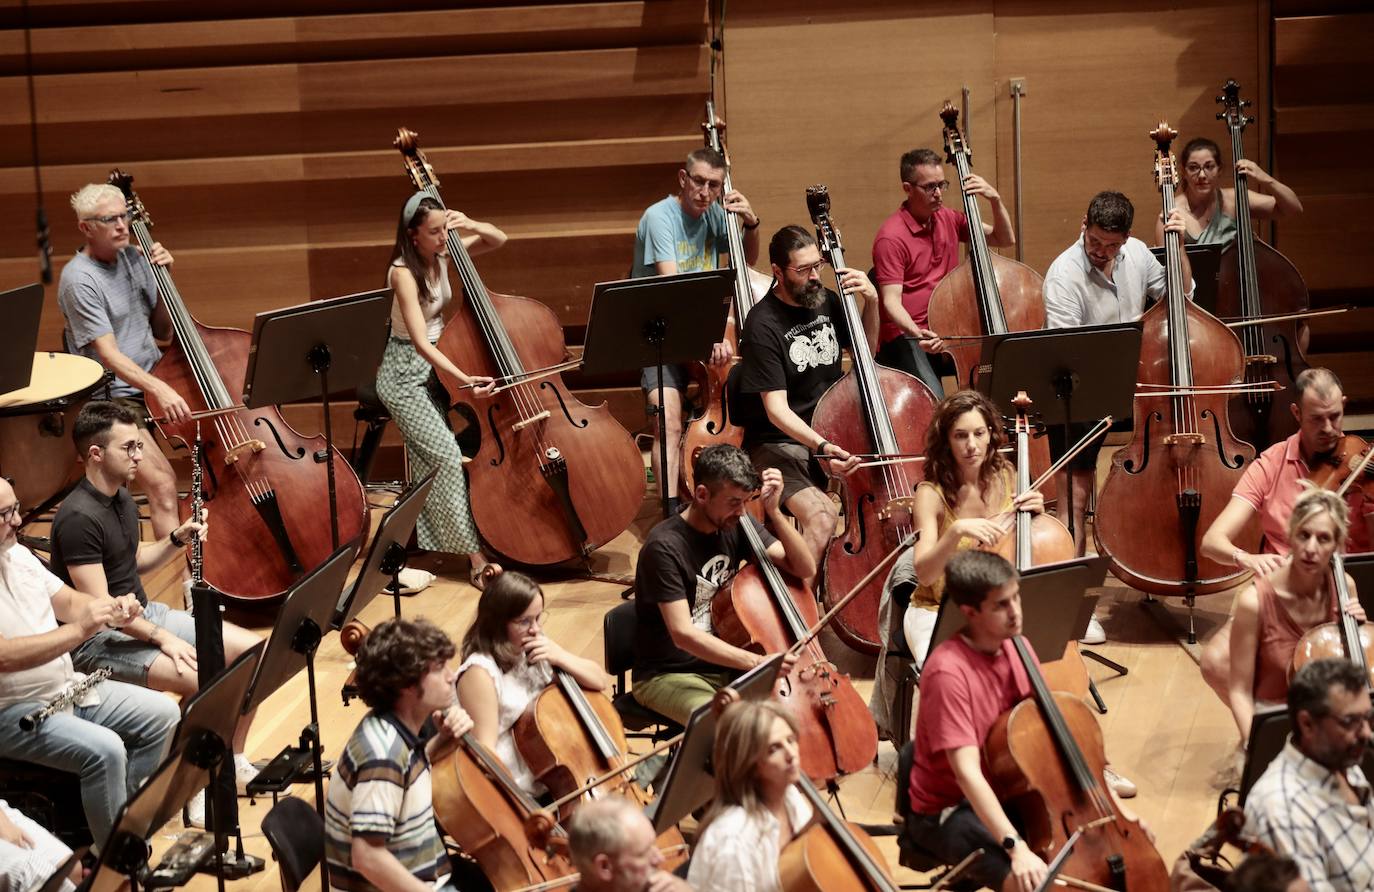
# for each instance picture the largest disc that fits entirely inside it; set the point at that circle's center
(413, 581)
(244, 772)
(195, 811)
(1095, 634)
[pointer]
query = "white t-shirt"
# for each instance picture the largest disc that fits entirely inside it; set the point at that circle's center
(739, 851)
(514, 691)
(26, 592)
(432, 310)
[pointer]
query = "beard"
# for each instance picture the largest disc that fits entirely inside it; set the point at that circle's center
(811, 295)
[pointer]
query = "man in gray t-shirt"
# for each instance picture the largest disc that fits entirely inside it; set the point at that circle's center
(109, 299)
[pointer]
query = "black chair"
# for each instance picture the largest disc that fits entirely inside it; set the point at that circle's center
(372, 413)
(618, 635)
(50, 797)
(909, 854)
(296, 833)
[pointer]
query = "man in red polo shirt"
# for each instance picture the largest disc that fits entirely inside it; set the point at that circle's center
(1267, 491)
(917, 247)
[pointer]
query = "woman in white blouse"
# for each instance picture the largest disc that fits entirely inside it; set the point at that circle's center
(507, 661)
(757, 810)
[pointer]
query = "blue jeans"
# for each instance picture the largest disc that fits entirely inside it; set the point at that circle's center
(113, 746)
(128, 658)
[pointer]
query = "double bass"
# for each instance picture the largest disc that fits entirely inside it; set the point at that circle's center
(1256, 281)
(871, 410)
(1173, 479)
(568, 736)
(263, 479)
(766, 613)
(712, 426)
(552, 479)
(1045, 760)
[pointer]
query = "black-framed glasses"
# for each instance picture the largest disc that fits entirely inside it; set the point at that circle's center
(809, 269)
(932, 188)
(108, 219)
(130, 449)
(7, 515)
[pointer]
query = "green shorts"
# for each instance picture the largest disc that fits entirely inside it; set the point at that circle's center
(679, 694)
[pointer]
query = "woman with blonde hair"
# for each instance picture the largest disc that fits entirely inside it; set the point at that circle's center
(1275, 611)
(757, 809)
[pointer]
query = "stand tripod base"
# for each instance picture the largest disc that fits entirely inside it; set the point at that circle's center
(237, 865)
(1092, 685)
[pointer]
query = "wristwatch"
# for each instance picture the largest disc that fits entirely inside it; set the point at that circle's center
(1009, 842)
(176, 542)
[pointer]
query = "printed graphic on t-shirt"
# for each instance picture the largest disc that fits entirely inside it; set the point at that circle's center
(714, 572)
(812, 344)
(691, 260)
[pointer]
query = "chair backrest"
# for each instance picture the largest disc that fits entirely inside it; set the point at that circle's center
(296, 833)
(618, 635)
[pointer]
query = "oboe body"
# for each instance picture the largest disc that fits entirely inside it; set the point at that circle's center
(72, 694)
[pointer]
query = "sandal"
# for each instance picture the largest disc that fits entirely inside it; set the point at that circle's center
(480, 576)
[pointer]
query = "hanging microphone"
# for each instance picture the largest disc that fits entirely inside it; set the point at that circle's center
(44, 248)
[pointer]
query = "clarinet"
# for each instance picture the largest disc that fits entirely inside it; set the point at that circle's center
(71, 695)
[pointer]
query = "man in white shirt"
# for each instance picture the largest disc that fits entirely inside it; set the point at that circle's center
(1312, 803)
(115, 735)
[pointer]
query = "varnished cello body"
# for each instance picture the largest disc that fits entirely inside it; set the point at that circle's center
(871, 410)
(832, 855)
(765, 613)
(1256, 281)
(267, 493)
(552, 479)
(1173, 479)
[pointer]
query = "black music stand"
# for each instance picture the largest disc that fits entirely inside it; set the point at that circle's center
(1361, 569)
(212, 714)
(1205, 261)
(658, 321)
(386, 556)
(1055, 609)
(23, 310)
(688, 785)
(1047, 366)
(125, 854)
(301, 622)
(315, 349)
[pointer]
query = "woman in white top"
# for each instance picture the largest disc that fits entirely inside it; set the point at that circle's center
(757, 810)
(418, 276)
(507, 661)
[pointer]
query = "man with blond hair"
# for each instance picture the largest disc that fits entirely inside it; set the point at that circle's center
(613, 847)
(109, 299)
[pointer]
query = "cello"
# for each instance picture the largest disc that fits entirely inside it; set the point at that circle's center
(573, 471)
(1045, 759)
(271, 526)
(832, 855)
(872, 409)
(1173, 479)
(1256, 281)
(766, 613)
(568, 736)
(712, 426)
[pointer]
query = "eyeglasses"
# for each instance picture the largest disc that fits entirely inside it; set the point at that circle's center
(7, 515)
(931, 188)
(129, 448)
(526, 623)
(1351, 722)
(809, 269)
(703, 183)
(1210, 167)
(108, 219)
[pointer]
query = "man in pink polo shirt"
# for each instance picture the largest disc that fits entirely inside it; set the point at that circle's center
(914, 250)
(1268, 489)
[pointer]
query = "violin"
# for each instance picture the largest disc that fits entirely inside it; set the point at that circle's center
(477, 802)
(1045, 760)
(552, 479)
(712, 425)
(1346, 637)
(1256, 281)
(261, 476)
(872, 409)
(568, 736)
(767, 613)
(1173, 479)
(832, 854)
(1348, 460)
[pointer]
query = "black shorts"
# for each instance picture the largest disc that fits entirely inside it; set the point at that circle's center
(799, 470)
(954, 838)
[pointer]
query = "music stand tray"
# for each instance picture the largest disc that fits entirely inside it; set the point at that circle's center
(688, 784)
(23, 308)
(386, 553)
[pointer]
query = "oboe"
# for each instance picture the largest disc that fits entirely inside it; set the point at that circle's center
(71, 695)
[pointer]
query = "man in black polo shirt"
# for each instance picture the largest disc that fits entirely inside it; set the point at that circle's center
(96, 550)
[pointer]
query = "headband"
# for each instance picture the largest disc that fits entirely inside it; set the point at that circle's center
(413, 205)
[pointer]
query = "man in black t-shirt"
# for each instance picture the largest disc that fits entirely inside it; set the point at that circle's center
(679, 661)
(790, 355)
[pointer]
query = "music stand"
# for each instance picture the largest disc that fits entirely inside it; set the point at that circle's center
(1046, 365)
(386, 556)
(124, 855)
(1361, 569)
(315, 349)
(658, 321)
(688, 785)
(23, 310)
(1205, 261)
